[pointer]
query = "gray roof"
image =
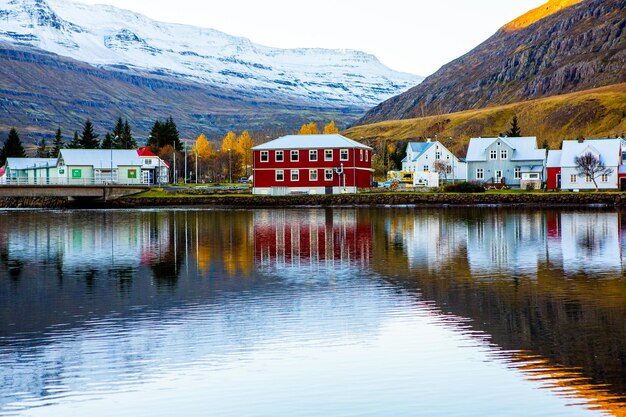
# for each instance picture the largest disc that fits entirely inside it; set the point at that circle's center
(417, 149)
(29, 163)
(100, 158)
(524, 148)
(609, 150)
(554, 159)
(310, 142)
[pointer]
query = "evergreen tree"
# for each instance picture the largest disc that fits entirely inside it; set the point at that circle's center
(163, 134)
(42, 149)
(12, 147)
(126, 139)
(88, 139)
(57, 144)
(118, 132)
(75, 143)
(546, 145)
(107, 142)
(514, 131)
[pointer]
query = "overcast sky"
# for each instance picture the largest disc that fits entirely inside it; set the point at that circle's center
(415, 36)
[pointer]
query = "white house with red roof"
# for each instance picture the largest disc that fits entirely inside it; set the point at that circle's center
(154, 170)
(311, 164)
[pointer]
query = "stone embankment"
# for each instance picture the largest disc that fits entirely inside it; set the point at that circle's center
(347, 200)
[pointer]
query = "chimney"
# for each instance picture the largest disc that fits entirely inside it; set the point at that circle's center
(581, 140)
(428, 140)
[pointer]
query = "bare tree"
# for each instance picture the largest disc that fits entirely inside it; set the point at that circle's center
(442, 167)
(589, 165)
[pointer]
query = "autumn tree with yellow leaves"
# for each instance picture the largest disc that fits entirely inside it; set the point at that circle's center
(330, 128)
(243, 146)
(309, 129)
(229, 142)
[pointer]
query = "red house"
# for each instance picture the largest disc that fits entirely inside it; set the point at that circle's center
(553, 166)
(311, 164)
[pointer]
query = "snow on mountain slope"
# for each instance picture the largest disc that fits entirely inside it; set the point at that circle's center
(106, 36)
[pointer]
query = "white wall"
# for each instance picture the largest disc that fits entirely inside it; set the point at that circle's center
(581, 182)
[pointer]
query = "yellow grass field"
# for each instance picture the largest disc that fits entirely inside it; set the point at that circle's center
(595, 113)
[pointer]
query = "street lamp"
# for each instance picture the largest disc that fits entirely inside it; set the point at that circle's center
(230, 166)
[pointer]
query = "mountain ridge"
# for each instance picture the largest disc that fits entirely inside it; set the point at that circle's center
(579, 47)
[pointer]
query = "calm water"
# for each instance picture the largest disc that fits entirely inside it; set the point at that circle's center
(312, 312)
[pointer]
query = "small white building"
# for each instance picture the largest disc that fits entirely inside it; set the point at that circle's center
(421, 157)
(30, 170)
(426, 179)
(609, 151)
(99, 166)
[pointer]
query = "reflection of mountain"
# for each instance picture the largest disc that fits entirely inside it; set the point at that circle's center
(288, 238)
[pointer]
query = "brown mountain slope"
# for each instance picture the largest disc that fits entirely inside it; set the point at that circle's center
(600, 112)
(572, 48)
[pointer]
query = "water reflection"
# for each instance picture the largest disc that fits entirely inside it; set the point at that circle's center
(94, 298)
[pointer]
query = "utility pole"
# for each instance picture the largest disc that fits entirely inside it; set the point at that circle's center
(230, 166)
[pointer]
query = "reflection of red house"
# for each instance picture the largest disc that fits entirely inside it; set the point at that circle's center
(554, 170)
(311, 237)
(312, 164)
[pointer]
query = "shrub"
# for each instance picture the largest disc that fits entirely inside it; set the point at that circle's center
(464, 187)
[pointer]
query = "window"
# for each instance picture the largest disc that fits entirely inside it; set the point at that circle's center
(480, 173)
(328, 155)
(498, 175)
(534, 176)
(295, 156)
(588, 178)
(437, 155)
(367, 155)
(313, 155)
(604, 178)
(343, 155)
(313, 175)
(426, 168)
(280, 175)
(572, 178)
(448, 157)
(295, 175)
(517, 173)
(280, 156)
(493, 155)
(328, 174)
(264, 156)
(504, 154)
(148, 161)
(360, 154)
(448, 169)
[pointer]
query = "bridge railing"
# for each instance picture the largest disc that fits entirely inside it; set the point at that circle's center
(54, 181)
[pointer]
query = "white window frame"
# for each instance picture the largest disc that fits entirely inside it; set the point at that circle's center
(497, 174)
(282, 156)
(517, 173)
(296, 154)
(437, 155)
(343, 152)
(604, 178)
(295, 175)
(480, 174)
(281, 173)
(313, 175)
(313, 155)
(328, 174)
(265, 156)
(426, 168)
(367, 155)
(493, 154)
(588, 178)
(328, 155)
(573, 178)
(149, 161)
(361, 154)
(504, 154)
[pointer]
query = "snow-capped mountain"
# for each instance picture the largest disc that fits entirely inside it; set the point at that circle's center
(111, 38)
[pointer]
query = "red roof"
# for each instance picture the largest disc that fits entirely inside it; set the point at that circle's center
(145, 152)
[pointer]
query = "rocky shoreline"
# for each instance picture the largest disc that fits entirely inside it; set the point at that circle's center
(348, 200)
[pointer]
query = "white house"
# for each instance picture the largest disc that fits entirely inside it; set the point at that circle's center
(154, 170)
(609, 151)
(514, 161)
(421, 156)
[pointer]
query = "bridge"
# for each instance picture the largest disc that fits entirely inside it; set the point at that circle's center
(104, 192)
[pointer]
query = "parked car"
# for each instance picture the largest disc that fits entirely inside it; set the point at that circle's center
(243, 180)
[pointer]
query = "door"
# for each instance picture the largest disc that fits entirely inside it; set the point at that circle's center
(622, 184)
(558, 181)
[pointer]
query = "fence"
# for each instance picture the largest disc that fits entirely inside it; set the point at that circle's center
(98, 180)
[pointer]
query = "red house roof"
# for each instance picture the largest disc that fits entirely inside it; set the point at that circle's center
(145, 152)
